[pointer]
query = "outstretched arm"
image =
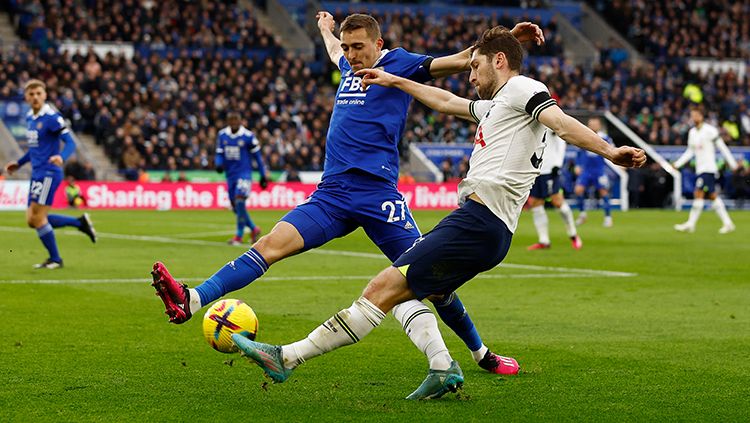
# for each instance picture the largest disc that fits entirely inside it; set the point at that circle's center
(459, 62)
(576, 133)
(432, 97)
(326, 25)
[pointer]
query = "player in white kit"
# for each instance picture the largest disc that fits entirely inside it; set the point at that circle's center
(703, 140)
(508, 149)
(548, 187)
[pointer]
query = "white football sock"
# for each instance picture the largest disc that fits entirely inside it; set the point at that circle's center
(721, 210)
(479, 354)
(695, 211)
(345, 328)
(541, 223)
(567, 216)
(421, 327)
(195, 301)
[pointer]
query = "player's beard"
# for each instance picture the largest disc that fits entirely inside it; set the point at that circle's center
(485, 91)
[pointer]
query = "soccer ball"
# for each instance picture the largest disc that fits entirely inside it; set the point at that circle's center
(227, 317)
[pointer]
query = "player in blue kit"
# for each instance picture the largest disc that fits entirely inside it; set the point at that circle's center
(234, 147)
(512, 114)
(590, 168)
(45, 129)
(358, 188)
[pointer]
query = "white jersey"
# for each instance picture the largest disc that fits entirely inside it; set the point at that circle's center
(554, 153)
(702, 143)
(508, 147)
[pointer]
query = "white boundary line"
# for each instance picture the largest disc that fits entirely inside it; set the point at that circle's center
(363, 278)
(564, 272)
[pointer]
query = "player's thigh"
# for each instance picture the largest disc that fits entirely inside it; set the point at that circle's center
(468, 241)
(318, 222)
(706, 183)
(386, 219)
(43, 186)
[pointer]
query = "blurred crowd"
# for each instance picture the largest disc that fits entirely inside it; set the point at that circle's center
(177, 23)
(682, 28)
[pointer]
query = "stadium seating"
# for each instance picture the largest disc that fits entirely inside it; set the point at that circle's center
(684, 28)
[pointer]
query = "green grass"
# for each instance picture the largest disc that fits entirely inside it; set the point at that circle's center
(672, 343)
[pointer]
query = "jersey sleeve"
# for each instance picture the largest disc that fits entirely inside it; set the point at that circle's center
(478, 108)
(57, 125)
(527, 95)
(414, 66)
(253, 145)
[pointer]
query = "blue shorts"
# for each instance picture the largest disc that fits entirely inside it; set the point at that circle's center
(344, 202)
(546, 186)
(465, 243)
(706, 182)
(596, 180)
(43, 186)
(240, 186)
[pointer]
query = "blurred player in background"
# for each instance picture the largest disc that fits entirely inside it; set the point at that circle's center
(590, 169)
(234, 147)
(548, 187)
(508, 151)
(45, 129)
(703, 140)
(358, 187)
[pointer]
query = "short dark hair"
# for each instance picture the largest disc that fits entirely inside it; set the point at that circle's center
(500, 40)
(697, 107)
(359, 20)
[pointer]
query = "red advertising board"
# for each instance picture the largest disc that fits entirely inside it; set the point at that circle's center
(167, 196)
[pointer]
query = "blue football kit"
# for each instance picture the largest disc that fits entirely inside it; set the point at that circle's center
(44, 131)
(592, 168)
(359, 183)
(234, 150)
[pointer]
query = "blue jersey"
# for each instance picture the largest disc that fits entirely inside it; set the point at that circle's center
(592, 163)
(366, 126)
(234, 150)
(43, 131)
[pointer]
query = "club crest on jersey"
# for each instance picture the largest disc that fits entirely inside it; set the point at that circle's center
(39, 125)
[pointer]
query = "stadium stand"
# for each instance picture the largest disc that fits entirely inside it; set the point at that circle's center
(683, 28)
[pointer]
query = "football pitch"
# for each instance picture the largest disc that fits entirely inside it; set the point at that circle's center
(643, 323)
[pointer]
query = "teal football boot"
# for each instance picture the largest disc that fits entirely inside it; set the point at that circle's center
(439, 382)
(268, 357)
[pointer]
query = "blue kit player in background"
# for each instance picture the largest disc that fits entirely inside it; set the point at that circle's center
(45, 129)
(234, 147)
(590, 169)
(358, 189)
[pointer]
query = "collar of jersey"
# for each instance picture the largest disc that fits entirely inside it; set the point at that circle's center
(45, 110)
(382, 55)
(239, 132)
(499, 89)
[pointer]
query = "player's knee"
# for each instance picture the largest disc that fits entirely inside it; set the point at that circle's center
(556, 200)
(388, 289)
